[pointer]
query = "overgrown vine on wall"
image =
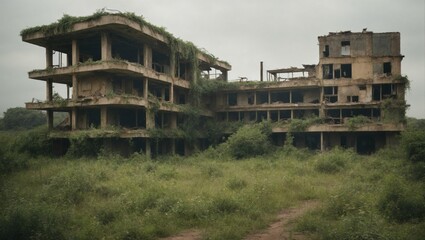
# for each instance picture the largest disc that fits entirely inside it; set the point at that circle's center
(394, 110)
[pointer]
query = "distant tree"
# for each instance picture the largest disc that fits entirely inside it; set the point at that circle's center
(20, 118)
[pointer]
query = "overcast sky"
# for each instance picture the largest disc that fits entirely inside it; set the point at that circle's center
(242, 32)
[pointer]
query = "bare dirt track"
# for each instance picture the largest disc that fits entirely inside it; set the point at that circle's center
(281, 229)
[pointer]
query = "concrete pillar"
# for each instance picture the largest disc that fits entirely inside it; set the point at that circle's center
(49, 90)
(49, 57)
(150, 119)
(67, 91)
(148, 148)
(75, 53)
(50, 119)
(103, 117)
(162, 94)
(172, 93)
(292, 114)
(290, 96)
(173, 146)
(322, 105)
(74, 119)
(146, 88)
(74, 87)
(225, 75)
(106, 46)
(269, 100)
(173, 120)
(173, 66)
(147, 56)
(322, 144)
(268, 115)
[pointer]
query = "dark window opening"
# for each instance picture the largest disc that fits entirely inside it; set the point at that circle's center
(182, 71)
(312, 141)
(117, 86)
(334, 116)
(250, 98)
(299, 114)
(345, 43)
(327, 71)
(261, 116)
(343, 141)
(279, 97)
(141, 119)
(160, 62)
(326, 51)
(365, 143)
(127, 118)
(337, 73)
(123, 49)
(232, 99)
(388, 91)
(387, 68)
(346, 70)
(182, 99)
(252, 116)
(262, 97)
(222, 116)
(89, 49)
(362, 87)
(233, 116)
(331, 90)
(284, 114)
(138, 87)
(376, 113)
(93, 118)
(376, 92)
(297, 97)
(352, 98)
(274, 116)
(180, 147)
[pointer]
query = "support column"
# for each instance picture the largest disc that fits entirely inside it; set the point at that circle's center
(74, 119)
(49, 90)
(147, 56)
(74, 87)
(103, 117)
(148, 148)
(173, 146)
(172, 93)
(225, 75)
(49, 57)
(67, 91)
(50, 119)
(75, 53)
(173, 120)
(106, 49)
(146, 88)
(322, 144)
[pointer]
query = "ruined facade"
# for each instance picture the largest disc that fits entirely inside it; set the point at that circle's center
(127, 79)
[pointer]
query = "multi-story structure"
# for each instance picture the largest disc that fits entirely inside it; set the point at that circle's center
(353, 98)
(129, 79)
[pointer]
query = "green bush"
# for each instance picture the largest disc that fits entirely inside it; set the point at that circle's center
(400, 201)
(334, 161)
(70, 186)
(34, 142)
(249, 141)
(33, 222)
(84, 146)
(413, 143)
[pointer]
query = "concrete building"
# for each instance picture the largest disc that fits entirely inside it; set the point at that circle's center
(127, 79)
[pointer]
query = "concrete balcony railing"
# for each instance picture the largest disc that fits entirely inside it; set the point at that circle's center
(111, 66)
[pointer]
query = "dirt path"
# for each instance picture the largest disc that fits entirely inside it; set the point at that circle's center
(282, 228)
(279, 230)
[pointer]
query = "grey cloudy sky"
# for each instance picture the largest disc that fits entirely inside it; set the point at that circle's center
(242, 32)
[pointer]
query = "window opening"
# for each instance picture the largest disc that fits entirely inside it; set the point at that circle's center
(326, 51)
(387, 68)
(346, 70)
(327, 71)
(232, 99)
(345, 48)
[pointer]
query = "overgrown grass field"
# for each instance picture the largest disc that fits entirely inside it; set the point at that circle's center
(111, 197)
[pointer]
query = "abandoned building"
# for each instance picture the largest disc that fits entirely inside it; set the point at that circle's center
(127, 79)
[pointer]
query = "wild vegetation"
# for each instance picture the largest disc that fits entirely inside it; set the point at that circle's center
(107, 196)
